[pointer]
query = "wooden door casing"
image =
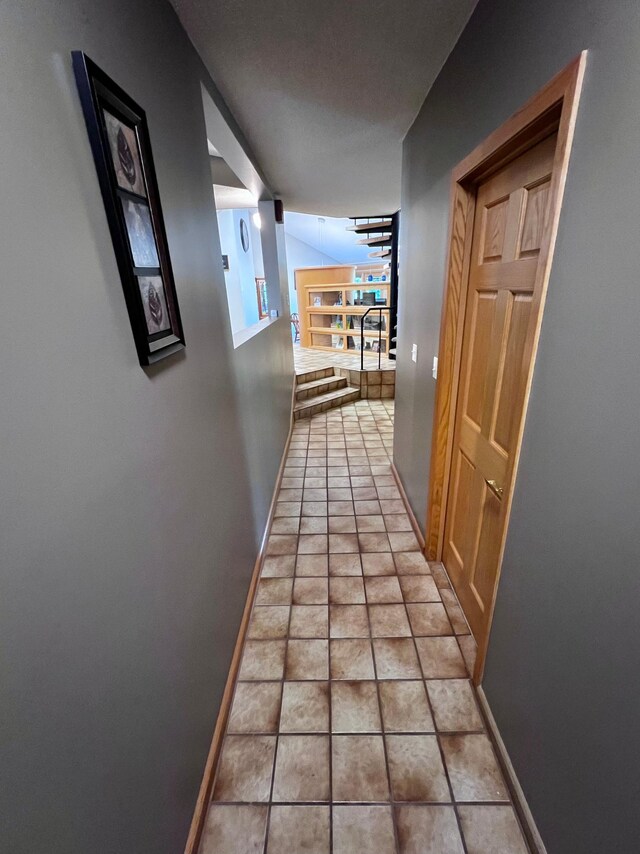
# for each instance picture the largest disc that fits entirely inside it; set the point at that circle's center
(553, 109)
(501, 313)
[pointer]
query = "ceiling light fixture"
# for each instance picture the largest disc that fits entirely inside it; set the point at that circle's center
(256, 219)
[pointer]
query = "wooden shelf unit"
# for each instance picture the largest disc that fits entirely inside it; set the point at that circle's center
(329, 318)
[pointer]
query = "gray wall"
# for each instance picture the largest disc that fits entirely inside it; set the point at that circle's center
(563, 663)
(132, 501)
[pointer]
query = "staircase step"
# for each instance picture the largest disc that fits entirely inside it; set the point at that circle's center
(371, 227)
(322, 402)
(315, 374)
(385, 240)
(382, 253)
(315, 388)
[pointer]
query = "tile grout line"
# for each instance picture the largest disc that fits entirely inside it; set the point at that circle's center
(435, 727)
(382, 730)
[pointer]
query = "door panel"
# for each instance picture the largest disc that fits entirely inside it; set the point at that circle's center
(510, 220)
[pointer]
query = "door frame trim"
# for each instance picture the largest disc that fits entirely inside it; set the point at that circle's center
(552, 109)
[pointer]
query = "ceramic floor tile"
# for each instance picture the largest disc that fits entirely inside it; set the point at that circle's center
(411, 563)
(302, 768)
(287, 508)
(363, 830)
(303, 829)
(359, 768)
(346, 591)
(419, 588)
(428, 619)
(429, 830)
(339, 493)
(440, 576)
(370, 524)
(392, 505)
(309, 621)
(282, 544)
(397, 523)
(378, 563)
(491, 830)
(364, 493)
(454, 705)
(345, 564)
(473, 769)
(341, 508)
(403, 542)
(274, 591)
(310, 565)
(396, 658)
(314, 508)
(244, 773)
(373, 542)
(416, 769)
(405, 707)
(354, 707)
(314, 494)
(454, 612)
(286, 525)
(313, 525)
(233, 828)
(305, 707)
(389, 621)
(307, 659)
(351, 659)
(348, 621)
(255, 708)
(469, 651)
(440, 658)
(279, 566)
(342, 524)
(263, 660)
(343, 543)
(311, 544)
(310, 591)
(383, 589)
(268, 622)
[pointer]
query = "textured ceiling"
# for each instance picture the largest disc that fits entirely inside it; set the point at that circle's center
(325, 90)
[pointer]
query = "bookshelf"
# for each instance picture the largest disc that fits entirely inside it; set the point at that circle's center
(331, 302)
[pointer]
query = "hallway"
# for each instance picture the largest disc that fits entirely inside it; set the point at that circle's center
(333, 744)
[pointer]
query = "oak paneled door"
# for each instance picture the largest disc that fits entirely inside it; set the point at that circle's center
(501, 316)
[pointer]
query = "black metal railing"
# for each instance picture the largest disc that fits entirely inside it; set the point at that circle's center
(379, 308)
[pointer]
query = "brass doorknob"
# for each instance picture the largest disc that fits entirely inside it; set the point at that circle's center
(493, 486)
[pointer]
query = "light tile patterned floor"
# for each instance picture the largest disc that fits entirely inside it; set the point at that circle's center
(354, 728)
(307, 359)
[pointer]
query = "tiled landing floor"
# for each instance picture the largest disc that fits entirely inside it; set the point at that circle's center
(307, 359)
(354, 728)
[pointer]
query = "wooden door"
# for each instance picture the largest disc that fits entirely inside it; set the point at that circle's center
(501, 317)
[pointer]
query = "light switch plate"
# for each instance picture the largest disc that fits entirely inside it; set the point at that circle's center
(414, 352)
(434, 369)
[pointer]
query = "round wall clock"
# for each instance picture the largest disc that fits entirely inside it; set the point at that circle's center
(244, 235)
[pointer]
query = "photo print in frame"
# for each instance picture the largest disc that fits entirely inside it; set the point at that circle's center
(119, 138)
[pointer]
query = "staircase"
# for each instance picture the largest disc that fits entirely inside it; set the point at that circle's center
(381, 234)
(319, 390)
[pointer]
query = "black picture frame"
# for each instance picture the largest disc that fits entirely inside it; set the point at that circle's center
(119, 138)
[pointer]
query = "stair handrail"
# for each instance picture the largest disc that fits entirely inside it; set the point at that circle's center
(379, 308)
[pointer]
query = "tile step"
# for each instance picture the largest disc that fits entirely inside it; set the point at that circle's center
(307, 391)
(323, 402)
(317, 373)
